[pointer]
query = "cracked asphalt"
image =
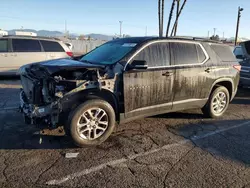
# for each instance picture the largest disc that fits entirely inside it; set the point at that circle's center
(181, 149)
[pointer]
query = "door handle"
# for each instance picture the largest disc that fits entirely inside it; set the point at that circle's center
(167, 74)
(208, 70)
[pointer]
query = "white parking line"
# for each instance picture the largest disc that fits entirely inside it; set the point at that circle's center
(9, 108)
(131, 157)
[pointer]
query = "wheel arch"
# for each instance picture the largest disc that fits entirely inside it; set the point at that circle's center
(227, 83)
(81, 96)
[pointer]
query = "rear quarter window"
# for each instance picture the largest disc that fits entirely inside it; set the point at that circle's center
(4, 45)
(51, 46)
(224, 52)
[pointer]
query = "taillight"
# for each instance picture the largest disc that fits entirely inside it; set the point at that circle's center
(237, 67)
(69, 54)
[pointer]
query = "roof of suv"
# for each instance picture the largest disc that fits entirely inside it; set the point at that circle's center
(30, 37)
(146, 39)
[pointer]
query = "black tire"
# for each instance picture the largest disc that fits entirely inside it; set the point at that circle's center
(208, 110)
(78, 112)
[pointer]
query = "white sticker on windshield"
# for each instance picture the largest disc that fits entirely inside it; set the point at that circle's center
(129, 44)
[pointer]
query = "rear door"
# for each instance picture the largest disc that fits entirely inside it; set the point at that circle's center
(193, 79)
(25, 51)
(148, 92)
(53, 50)
(4, 55)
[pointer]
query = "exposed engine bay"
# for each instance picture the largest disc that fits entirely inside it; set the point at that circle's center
(48, 85)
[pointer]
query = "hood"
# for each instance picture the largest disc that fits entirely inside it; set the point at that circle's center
(53, 66)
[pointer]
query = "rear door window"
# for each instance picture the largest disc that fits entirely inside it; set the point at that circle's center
(186, 53)
(4, 45)
(26, 45)
(155, 55)
(50, 46)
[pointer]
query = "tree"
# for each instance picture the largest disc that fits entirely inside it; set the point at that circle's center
(159, 17)
(162, 16)
(170, 17)
(216, 37)
(81, 37)
(176, 21)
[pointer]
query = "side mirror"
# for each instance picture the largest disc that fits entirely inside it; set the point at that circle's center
(239, 56)
(139, 64)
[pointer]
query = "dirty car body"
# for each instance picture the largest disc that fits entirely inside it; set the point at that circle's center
(137, 77)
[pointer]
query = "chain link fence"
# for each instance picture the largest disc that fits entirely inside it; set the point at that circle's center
(84, 46)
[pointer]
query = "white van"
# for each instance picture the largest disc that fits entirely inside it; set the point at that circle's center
(16, 51)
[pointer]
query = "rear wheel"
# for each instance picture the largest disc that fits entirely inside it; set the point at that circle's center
(218, 103)
(92, 123)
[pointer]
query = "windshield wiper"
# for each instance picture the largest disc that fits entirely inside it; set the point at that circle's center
(86, 61)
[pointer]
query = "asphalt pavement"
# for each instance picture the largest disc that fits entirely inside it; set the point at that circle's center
(181, 149)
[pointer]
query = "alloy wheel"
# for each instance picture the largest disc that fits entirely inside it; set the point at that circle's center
(92, 123)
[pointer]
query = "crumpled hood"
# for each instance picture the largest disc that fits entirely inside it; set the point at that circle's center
(56, 65)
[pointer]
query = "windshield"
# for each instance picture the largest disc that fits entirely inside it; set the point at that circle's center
(109, 53)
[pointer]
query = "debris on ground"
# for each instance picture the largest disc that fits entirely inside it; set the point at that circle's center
(71, 155)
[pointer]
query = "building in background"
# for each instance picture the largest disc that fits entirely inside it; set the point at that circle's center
(2, 32)
(25, 33)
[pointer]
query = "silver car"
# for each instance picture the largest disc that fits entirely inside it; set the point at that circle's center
(16, 51)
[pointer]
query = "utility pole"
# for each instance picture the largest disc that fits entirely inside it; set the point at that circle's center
(208, 34)
(238, 24)
(66, 32)
(120, 28)
(177, 12)
(223, 35)
(214, 31)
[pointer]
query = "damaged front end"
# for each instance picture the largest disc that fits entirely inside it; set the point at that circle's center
(47, 86)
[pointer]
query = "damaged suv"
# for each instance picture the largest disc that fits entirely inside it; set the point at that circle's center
(126, 79)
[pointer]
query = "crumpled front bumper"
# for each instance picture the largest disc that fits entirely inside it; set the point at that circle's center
(49, 113)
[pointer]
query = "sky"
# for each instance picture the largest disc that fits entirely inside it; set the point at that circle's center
(103, 16)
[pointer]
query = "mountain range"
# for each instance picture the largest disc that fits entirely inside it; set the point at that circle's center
(47, 33)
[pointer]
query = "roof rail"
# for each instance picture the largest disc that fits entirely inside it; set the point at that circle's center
(202, 39)
(26, 36)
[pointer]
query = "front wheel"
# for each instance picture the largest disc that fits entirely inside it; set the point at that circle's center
(92, 123)
(217, 103)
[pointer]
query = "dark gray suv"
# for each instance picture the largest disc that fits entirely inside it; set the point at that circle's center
(126, 79)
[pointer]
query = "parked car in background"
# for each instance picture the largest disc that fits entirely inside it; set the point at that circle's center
(70, 46)
(245, 64)
(238, 53)
(16, 51)
(125, 79)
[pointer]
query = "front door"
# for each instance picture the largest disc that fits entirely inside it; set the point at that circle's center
(149, 92)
